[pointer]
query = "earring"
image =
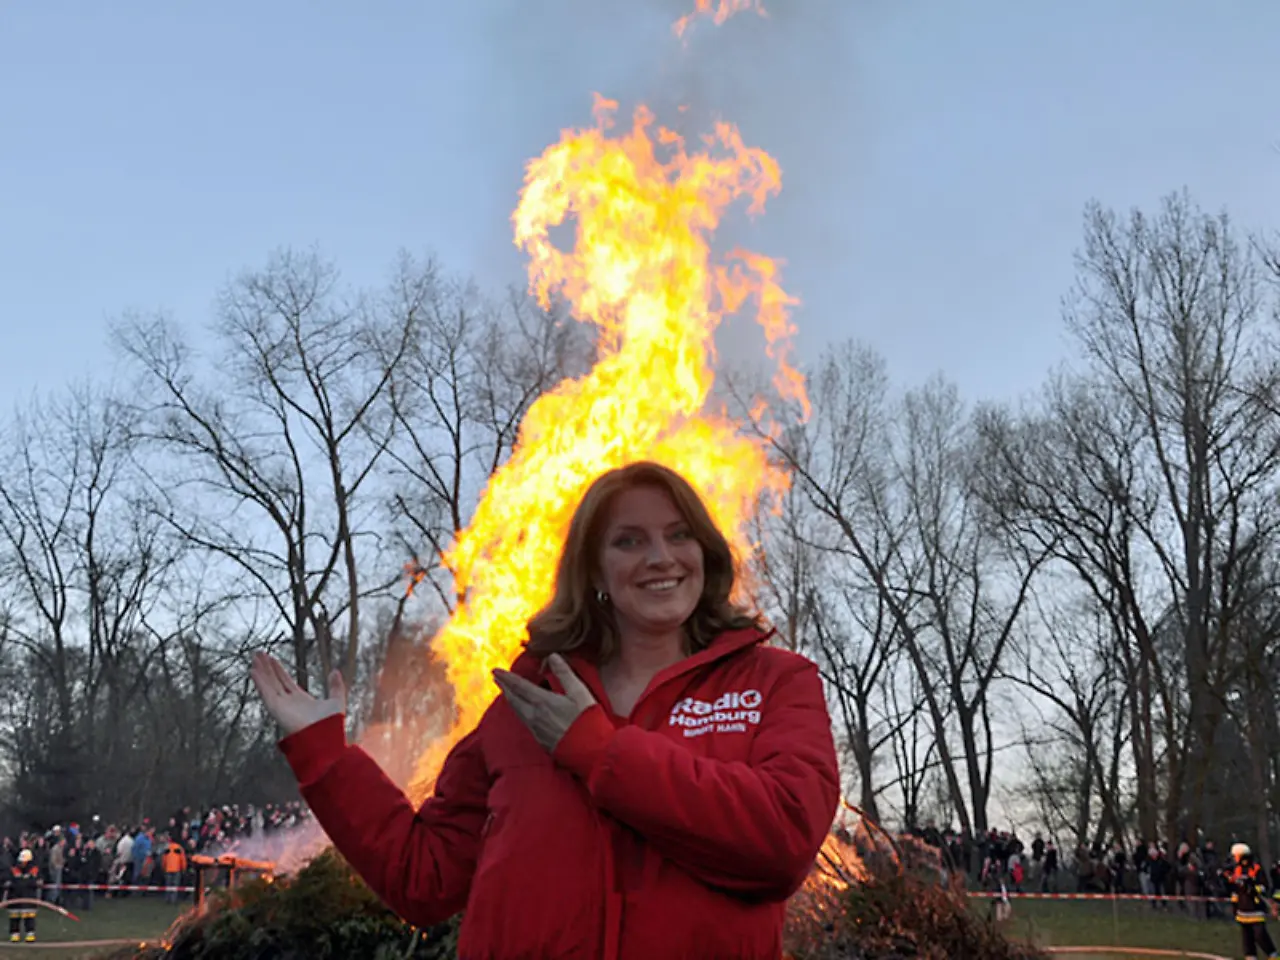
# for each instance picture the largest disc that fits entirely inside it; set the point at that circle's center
(602, 596)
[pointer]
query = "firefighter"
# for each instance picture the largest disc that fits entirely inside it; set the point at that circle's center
(1249, 898)
(24, 884)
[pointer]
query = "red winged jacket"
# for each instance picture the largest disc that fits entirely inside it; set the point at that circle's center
(677, 832)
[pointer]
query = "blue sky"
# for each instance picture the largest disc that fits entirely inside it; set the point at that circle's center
(936, 155)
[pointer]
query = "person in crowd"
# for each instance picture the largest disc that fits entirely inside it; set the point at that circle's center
(174, 863)
(1049, 871)
(86, 866)
(140, 853)
(1037, 859)
(124, 857)
(57, 863)
(24, 884)
(1085, 867)
(652, 780)
(1211, 882)
(1142, 866)
(1016, 871)
(1250, 899)
(1116, 865)
(1187, 869)
(1160, 871)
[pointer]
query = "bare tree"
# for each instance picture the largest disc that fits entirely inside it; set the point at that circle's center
(1070, 671)
(458, 401)
(896, 492)
(1068, 477)
(267, 467)
(855, 642)
(1153, 473)
(1169, 311)
(85, 567)
(783, 569)
(974, 586)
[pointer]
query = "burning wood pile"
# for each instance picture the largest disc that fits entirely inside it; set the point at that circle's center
(641, 270)
(872, 896)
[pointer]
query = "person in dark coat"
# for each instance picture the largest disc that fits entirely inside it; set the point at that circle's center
(1159, 869)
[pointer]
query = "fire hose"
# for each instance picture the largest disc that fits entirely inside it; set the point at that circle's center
(62, 944)
(26, 902)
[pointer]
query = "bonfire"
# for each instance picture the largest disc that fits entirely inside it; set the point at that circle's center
(644, 205)
(870, 896)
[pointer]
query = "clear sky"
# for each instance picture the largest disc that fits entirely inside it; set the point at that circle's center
(936, 154)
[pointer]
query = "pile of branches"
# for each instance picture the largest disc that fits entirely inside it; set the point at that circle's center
(323, 912)
(869, 898)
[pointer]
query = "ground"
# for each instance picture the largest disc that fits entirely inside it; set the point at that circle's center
(1050, 923)
(137, 917)
(1122, 924)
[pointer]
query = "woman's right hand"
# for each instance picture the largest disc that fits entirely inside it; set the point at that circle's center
(292, 707)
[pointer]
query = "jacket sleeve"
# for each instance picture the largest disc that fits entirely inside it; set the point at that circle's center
(751, 828)
(420, 862)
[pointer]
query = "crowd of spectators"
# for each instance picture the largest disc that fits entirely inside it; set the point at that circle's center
(1186, 877)
(99, 854)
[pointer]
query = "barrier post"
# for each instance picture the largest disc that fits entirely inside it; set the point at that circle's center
(235, 866)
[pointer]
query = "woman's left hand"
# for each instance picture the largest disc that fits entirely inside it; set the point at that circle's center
(547, 714)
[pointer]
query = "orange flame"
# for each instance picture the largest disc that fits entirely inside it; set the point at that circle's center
(641, 270)
(838, 865)
(718, 12)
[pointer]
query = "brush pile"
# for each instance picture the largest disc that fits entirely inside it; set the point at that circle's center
(869, 897)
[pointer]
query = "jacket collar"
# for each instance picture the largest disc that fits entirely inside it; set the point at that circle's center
(530, 666)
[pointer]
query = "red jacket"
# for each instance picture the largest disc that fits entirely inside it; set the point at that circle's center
(679, 832)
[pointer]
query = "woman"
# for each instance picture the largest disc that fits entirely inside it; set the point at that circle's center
(653, 781)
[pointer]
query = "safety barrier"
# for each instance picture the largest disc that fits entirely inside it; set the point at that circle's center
(1107, 897)
(1132, 951)
(127, 887)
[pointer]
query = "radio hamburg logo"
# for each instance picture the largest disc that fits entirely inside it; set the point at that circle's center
(731, 713)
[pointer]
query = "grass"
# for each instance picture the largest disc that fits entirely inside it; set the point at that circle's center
(1122, 924)
(1048, 923)
(140, 917)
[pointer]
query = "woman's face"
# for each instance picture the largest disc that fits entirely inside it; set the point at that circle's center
(650, 564)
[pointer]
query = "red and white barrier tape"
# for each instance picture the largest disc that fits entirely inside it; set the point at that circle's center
(111, 887)
(1132, 952)
(997, 895)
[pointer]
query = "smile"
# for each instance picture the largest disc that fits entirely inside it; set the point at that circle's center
(661, 586)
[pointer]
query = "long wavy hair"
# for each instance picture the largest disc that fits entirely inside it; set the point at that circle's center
(576, 618)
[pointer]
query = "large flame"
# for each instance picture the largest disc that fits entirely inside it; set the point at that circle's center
(641, 270)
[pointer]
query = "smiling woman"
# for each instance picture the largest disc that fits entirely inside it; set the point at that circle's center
(654, 780)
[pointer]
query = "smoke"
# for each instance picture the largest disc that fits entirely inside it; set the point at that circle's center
(406, 705)
(289, 848)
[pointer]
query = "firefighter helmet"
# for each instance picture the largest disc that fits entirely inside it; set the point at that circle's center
(1240, 850)
(24, 856)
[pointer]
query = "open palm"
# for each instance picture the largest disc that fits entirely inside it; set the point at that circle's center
(292, 707)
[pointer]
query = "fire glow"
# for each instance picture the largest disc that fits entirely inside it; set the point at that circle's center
(643, 207)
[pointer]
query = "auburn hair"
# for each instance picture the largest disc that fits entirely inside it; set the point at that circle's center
(576, 618)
